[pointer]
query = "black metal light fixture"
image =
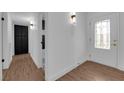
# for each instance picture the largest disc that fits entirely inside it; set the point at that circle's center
(73, 17)
(43, 42)
(31, 25)
(43, 24)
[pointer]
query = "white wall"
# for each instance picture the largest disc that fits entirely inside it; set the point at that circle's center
(65, 44)
(0, 48)
(80, 41)
(35, 45)
(34, 42)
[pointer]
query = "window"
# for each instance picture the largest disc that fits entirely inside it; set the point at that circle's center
(102, 34)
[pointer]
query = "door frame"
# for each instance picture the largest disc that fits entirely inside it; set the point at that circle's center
(45, 51)
(13, 35)
(1, 44)
(104, 16)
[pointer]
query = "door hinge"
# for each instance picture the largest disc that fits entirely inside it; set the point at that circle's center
(2, 18)
(3, 60)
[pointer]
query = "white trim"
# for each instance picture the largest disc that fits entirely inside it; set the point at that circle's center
(120, 67)
(38, 66)
(0, 47)
(13, 40)
(62, 73)
(46, 69)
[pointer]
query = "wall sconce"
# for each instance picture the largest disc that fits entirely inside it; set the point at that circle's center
(73, 17)
(31, 26)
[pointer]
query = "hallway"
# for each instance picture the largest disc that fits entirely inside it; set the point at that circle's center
(22, 68)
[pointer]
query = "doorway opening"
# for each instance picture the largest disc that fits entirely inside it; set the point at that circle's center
(21, 39)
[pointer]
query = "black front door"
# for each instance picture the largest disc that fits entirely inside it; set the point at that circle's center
(21, 39)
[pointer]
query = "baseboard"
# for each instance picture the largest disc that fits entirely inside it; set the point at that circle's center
(36, 63)
(120, 67)
(116, 67)
(6, 66)
(62, 73)
(65, 71)
(82, 61)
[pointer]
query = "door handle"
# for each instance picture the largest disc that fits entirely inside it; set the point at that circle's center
(114, 44)
(114, 40)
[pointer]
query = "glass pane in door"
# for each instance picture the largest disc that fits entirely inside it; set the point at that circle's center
(102, 34)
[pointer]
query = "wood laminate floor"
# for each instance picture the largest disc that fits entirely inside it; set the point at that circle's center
(23, 68)
(93, 71)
